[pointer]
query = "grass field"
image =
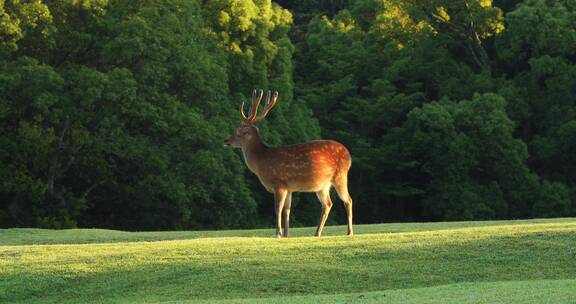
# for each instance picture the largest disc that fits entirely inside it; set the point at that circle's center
(531, 261)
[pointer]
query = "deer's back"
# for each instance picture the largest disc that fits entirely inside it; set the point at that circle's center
(304, 167)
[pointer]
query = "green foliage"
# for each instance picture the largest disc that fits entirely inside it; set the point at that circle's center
(112, 113)
(537, 28)
(472, 165)
(399, 83)
(554, 199)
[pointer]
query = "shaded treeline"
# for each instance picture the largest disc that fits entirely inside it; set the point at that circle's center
(113, 113)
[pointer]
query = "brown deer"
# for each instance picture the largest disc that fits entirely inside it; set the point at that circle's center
(314, 166)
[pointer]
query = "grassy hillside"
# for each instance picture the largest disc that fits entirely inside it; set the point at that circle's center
(525, 292)
(475, 262)
(32, 236)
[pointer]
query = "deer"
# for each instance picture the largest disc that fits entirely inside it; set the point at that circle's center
(313, 166)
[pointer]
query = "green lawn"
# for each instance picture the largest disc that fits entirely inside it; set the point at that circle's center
(458, 262)
(524, 292)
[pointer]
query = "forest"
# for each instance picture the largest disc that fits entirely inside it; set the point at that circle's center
(113, 113)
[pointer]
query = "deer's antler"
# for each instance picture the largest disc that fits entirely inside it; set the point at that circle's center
(268, 105)
(256, 99)
(248, 120)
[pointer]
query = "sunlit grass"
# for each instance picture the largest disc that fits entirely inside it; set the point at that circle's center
(25, 236)
(119, 267)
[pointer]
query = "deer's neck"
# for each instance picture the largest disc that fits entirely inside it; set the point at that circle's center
(253, 153)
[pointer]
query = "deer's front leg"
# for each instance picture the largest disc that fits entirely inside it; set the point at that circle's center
(279, 198)
(287, 204)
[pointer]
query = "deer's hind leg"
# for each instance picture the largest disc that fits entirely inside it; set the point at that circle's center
(286, 210)
(341, 186)
(324, 197)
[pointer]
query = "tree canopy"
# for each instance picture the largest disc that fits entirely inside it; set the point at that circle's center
(113, 113)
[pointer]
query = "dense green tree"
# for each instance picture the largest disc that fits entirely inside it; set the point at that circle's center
(367, 67)
(537, 53)
(476, 169)
(112, 113)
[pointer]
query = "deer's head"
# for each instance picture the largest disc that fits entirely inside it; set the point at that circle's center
(248, 132)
